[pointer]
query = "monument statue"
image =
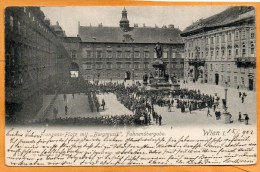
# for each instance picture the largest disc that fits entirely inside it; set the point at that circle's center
(158, 50)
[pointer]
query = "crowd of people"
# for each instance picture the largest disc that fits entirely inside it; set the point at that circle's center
(118, 120)
(141, 102)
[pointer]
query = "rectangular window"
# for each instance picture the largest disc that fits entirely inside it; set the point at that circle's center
(229, 36)
(243, 34)
(243, 51)
(118, 54)
(217, 41)
(222, 68)
(235, 79)
(228, 67)
(127, 54)
(211, 53)
(211, 67)
(128, 65)
(223, 38)
(216, 67)
(89, 54)
(252, 50)
(87, 66)
(146, 54)
(118, 65)
(99, 54)
(137, 54)
(146, 65)
(136, 65)
(236, 52)
(228, 79)
(217, 53)
(229, 52)
(202, 54)
(165, 54)
(252, 35)
(98, 66)
(236, 35)
(212, 40)
(173, 55)
(109, 65)
(109, 54)
(223, 52)
(11, 23)
(242, 81)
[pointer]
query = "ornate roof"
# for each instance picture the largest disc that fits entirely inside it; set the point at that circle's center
(228, 16)
(134, 35)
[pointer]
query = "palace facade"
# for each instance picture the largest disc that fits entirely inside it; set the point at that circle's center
(34, 59)
(221, 49)
(127, 52)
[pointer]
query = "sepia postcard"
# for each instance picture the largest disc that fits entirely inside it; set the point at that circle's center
(130, 85)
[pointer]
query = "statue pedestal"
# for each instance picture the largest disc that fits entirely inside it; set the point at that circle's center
(227, 117)
(159, 83)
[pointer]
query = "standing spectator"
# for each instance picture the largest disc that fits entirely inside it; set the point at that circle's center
(242, 98)
(103, 104)
(160, 120)
(239, 94)
(208, 113)
(190, 108)
(239, 117)
(169, 107)
(246, 119)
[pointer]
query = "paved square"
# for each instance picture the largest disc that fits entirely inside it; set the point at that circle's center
(78, 106)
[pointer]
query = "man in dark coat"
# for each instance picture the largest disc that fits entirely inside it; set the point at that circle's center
(160, 120)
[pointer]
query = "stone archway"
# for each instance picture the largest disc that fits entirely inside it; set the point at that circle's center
(74, 70)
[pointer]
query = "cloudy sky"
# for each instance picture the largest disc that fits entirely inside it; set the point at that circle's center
(181, 17)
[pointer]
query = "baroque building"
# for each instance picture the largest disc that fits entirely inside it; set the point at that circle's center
(34, 59)
(127, 52)
(221, 49)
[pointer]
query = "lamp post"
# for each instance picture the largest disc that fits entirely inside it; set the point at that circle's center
(227, 115)
(226, 89)
(133, 79)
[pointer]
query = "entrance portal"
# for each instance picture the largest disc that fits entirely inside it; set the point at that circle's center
(251, 84)
(216, 78)
(127, 75)
(74, 70)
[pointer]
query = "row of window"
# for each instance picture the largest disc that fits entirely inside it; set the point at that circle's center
(120, 54)
(122, 66)
(223, 38)
(223, 52)
(237, 80)
(109, 66)
(223, 68)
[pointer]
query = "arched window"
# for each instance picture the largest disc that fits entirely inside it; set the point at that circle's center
(252, 48)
